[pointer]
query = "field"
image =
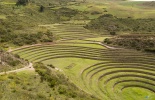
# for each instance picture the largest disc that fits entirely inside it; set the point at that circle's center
(111, 74)
(97, 70)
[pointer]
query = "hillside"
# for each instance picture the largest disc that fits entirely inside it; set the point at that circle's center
(111, 23)
(44, 84)
(77, 50)
(10, 62)
(149, 4)
(134, 41)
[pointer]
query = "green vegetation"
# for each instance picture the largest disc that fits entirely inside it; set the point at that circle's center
(9, 61)
(65, 14)
(97, 70)
(111, 23)
(24, 85)
(60, 83)
(70, 31)
(50, 84)
(24, 39)
(70, 61)
(134, 41)
(22, 2)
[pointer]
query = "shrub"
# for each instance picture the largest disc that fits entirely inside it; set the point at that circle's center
(41, 9)
(17, 56)
(22, 2)
(40, 95)
(13, 62)
(14, 90)
(11, 77)
(62, 90)
(111, 23)
(50, 65)
(95, 13)
(112, 33)
(107, 41)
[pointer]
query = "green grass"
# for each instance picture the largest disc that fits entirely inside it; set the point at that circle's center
(138, 93)
(28, 85)
(8, 3)
(72, 67)
(100, 39)
(23, 85)
(102, 72)
(127, 10)
(85, 45)
(2, 17)
(98, 79)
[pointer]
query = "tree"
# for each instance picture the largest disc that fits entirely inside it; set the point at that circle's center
(41, 8)
(22, 2)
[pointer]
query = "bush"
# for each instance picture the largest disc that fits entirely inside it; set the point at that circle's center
(107, 41)
(17, 56)
(41, 9)
(111, 23)
(40, 95)
(62, 90)
(59, 83)
(50, 65)
(22, 39)
(150, 50)
(112, 33)
(22, 2)
(95, 13)
(13, 62)
(136, 41)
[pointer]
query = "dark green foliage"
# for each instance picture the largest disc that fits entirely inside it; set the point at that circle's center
(22, 39)
(50, 65)
(17, 56)
(41, 9)
(65, 91)
(112, 33)
(13, 63)
(150, 50)
(136, 41)
(22, 2)
(62, 90)
(107, 41)
(41, 96)
(10, 59)
(110, 23)
(45, 74)
(106, 15)
(95, 13)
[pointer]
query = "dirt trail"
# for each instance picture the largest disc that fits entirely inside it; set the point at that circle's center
(28, 67)
(108, 47)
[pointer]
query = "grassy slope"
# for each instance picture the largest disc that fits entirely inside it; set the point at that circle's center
(23, 85)
(125, 8)
(28, 85)
(73, 72)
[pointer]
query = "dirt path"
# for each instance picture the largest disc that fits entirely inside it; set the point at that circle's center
(28, 67)
(108, 47)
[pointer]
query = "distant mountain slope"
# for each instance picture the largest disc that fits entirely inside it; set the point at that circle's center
(149, 4)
